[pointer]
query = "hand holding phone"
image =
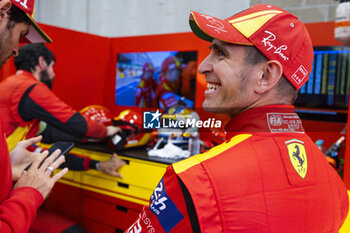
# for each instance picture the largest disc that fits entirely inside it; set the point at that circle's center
(65, 147)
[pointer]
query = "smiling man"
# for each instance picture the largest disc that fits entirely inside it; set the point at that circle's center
(268, 176)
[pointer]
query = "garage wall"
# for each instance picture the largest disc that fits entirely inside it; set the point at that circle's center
(306, 10)
(118, 18)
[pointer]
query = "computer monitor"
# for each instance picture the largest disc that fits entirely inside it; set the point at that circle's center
(133, 88)
(325, 95)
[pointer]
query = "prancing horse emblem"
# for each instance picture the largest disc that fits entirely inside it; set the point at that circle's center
(297, 156)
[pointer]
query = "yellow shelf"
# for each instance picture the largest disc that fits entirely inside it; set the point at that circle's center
(140, 177)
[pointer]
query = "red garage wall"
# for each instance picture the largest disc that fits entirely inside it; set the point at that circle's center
(82, 66)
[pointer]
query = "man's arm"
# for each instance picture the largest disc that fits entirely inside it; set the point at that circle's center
(39, 102)
(169, 209)
(82, 163)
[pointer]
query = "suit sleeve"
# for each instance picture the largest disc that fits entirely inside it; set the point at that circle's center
(51, 135)
(39, 102)
(168, 210)
(18, 211)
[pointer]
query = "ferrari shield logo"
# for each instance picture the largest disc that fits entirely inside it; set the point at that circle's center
(297, 156)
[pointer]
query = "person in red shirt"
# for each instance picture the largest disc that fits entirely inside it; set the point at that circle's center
(27, 99)
(268, 176)
(145, 90)
(19, 203)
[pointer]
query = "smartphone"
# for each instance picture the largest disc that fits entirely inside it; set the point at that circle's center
(65, 147)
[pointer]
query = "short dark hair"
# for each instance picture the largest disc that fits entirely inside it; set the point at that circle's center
(284, 88)
(16, 15)
(28, 56)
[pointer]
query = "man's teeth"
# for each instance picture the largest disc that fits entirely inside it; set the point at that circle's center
(213, 86)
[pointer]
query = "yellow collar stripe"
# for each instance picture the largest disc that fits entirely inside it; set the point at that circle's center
(197, 159)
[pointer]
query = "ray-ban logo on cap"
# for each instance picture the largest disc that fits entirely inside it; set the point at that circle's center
(267, 41)
(213, 23)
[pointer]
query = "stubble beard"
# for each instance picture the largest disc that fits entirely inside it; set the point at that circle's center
(45, 78)
(232, 111)
(5, 36)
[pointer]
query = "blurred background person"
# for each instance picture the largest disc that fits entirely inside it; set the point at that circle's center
(145, 90)
(169, 83)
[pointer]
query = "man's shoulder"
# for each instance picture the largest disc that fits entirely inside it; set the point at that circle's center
(141, 84)
(15, 83)
(229, 148)
(21, 79)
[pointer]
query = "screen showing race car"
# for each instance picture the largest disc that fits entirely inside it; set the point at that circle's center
(160, 79)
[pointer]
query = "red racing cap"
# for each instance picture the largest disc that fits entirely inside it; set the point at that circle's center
(275, 32)
(35, 34)
(147, 67)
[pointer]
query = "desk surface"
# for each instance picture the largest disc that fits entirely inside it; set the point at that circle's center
(137, 153)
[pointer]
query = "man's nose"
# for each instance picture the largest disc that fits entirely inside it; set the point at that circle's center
(205, 66)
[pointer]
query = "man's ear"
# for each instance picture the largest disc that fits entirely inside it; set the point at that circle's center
(271, 73)
(5, 6)
(41, 63)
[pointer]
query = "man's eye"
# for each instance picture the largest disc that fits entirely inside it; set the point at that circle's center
(221, 54)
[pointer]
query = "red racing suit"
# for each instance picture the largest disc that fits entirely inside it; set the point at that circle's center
(25, 101)
(143, 95)
(164, 96)
(267, 177)
(17, 207)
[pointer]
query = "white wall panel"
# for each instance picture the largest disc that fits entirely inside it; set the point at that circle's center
(70, 14)
(116, 18)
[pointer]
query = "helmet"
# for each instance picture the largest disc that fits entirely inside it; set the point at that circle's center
(97, 113)
(170, 63)
(147, 67)
(130, 122)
